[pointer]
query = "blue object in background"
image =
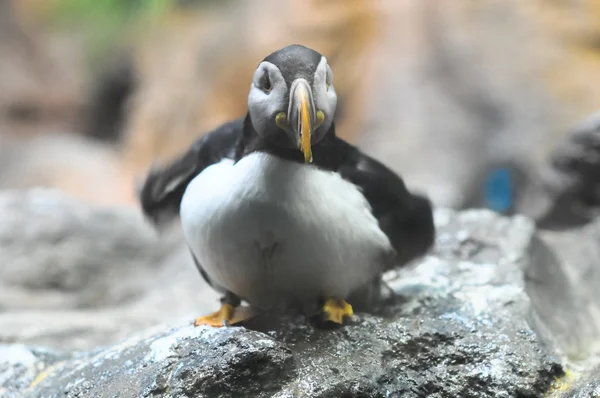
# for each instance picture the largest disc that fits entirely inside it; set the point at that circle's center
(498, 190)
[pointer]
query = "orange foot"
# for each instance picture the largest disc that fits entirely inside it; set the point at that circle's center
(227, 315)
(336, 310)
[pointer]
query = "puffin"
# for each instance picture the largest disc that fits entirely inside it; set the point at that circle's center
(279, 212)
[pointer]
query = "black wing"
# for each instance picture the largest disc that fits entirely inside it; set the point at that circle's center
(406, 218)
(161, 193)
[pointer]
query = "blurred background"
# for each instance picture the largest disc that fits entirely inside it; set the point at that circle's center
(467, 100)
(444, 92)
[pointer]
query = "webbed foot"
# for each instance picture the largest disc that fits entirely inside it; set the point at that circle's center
(217, 319)
(227, 315)
(230, 313)
(335, 310)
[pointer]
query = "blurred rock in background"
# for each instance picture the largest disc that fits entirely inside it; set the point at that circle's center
(465, 86)
(445, 94)
(76, 276)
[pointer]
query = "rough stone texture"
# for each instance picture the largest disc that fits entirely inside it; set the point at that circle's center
(459, 324)
(173, 361)
(20, 365)
(588, 386)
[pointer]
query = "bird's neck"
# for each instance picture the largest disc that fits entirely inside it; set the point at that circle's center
(324, 152)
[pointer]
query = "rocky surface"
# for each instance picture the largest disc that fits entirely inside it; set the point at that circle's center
(587, 386)
(460, 323)
(74, 275)
(564, 287)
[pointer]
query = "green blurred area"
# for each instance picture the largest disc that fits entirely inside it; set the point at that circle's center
(110, 25)
(109, 10)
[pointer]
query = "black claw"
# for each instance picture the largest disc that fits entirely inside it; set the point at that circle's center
(231, 299)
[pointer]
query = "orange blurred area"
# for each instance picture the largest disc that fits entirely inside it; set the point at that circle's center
(424, 85)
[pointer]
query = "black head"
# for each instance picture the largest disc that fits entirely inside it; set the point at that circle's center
(292, 101)
(294, 62)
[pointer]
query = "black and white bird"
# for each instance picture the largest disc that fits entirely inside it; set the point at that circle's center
(280, 212)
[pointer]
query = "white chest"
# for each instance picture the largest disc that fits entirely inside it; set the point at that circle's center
(268, 229)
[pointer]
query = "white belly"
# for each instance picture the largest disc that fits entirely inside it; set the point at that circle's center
(271, 230)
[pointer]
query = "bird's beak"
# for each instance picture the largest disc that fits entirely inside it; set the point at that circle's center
(302, 116)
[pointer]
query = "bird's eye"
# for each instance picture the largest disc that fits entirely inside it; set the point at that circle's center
(266, 83)
(328, 77)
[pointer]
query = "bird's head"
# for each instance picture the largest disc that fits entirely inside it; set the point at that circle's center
(292, 101)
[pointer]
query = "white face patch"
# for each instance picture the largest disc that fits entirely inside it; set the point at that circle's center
(267, 95)
(324, 94)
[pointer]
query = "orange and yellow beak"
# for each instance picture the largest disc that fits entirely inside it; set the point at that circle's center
(302, 117)
(305, 122)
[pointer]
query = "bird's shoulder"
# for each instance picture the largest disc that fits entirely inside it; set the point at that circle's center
(162, 190)
(357, 166)
(405, 217)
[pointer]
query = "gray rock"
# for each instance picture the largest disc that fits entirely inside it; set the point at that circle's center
(20, 366)
(70, 252)
(587, 386)
(75, 276)
(563, 284)
(460, 324)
